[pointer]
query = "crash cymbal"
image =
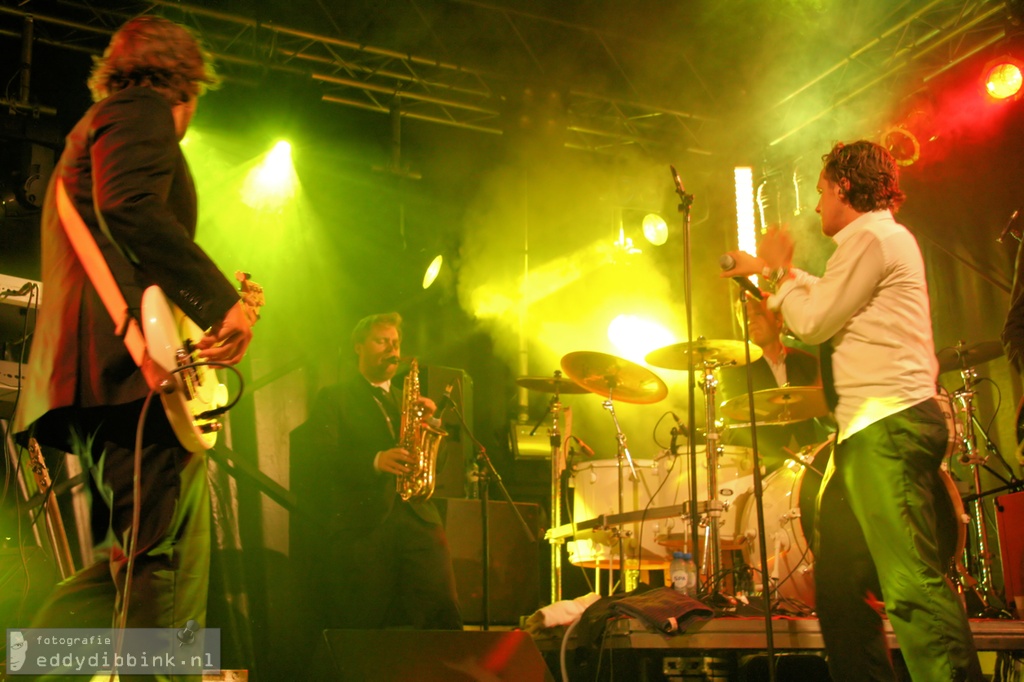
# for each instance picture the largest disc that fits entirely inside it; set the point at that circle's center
(719, 351)
(779, 405)
(551, 385)
(614, 377)
(962, 356)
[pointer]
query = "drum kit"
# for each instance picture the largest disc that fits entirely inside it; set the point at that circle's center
(614, 499)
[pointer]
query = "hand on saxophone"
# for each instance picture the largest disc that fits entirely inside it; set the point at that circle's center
(429, 407)
(396, 461)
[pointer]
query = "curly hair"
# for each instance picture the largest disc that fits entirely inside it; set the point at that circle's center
(364, 325)
(872, 174)
(156, 53)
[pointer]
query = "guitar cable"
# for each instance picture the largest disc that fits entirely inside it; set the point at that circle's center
(133, 537)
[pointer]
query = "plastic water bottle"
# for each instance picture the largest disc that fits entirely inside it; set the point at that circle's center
(683, 573)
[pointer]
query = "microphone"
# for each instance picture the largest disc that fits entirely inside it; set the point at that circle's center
(1006, 230)
(680, 426)
(446, 401)
(587, 450)
(727, 262)
(678, 180)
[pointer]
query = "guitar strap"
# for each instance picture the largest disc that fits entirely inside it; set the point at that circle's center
(96, 267)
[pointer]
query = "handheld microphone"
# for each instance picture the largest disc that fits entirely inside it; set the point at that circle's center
(727, 262)
(587, 450)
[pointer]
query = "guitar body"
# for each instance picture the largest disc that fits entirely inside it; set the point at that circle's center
(170, 336)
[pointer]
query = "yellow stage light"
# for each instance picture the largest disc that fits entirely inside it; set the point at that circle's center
(273, 181)
(655, 229)
(634, 337)
(432, 271)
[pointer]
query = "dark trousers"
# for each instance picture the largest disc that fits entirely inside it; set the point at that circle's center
(396, 575)
(878, 530)
(171, 573)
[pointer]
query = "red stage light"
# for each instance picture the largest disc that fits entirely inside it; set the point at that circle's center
(1003, 80)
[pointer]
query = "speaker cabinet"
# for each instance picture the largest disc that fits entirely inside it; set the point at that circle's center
(429, 656)
(514, 570)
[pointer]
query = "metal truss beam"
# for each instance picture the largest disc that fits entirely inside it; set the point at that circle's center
(377, 79)
(902, 58)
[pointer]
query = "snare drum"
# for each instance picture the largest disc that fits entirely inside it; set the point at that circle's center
(597, 493)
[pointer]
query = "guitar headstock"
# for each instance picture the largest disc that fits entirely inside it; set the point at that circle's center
(251, 293)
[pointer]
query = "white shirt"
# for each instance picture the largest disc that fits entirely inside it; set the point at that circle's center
(873, 303)
(778, 368)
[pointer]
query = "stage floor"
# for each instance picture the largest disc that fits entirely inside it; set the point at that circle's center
(722, 649)
(788, 633)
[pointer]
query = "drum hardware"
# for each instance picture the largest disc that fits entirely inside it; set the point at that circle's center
(962, 357)
(556, 385)
(616, 379)
(706, 356)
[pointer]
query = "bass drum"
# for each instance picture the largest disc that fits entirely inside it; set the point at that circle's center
(790, 498)
(790, 512)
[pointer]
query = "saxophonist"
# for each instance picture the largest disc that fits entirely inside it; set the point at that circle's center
(382, 562)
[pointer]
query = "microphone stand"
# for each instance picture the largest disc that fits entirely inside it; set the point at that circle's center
(685, 203)
(762, 541)
(487, 472)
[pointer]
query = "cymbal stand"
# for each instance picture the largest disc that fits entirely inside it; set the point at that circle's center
(555, 433)
(622, 454)
(968, 452)
(712, 545)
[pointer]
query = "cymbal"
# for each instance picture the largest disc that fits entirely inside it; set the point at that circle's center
(720, 351)
(614, 377)
(779, 405)
(551, 385)
(962, 356)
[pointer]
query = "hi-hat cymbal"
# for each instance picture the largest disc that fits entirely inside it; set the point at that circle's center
(551, 385)
(718, 351)
(614, 377)
(779, 405)
(962, 356)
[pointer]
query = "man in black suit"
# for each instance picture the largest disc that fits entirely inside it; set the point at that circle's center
(778, 366)
(125, 174)
(379, 561)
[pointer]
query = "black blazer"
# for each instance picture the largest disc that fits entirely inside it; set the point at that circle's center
(332, 459)
(123, 158)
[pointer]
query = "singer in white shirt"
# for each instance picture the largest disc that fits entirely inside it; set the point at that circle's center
(880, 513)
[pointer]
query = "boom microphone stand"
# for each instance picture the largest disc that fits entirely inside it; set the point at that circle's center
(487, 472)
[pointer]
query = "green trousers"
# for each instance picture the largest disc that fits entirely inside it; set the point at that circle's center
(878, 533)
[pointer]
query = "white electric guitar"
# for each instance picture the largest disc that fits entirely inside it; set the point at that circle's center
(194, 406)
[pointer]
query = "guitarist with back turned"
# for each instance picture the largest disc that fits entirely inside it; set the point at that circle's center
(126, 177)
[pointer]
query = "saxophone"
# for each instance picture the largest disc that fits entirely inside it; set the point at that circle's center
(420, 439)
